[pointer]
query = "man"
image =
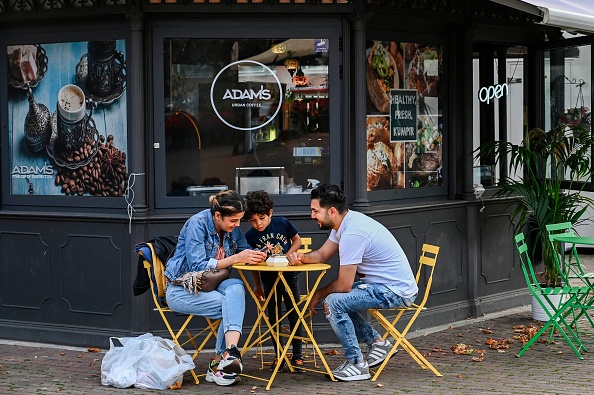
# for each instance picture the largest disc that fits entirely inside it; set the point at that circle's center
(367, 250)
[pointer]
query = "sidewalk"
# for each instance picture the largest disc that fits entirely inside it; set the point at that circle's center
(29, 368)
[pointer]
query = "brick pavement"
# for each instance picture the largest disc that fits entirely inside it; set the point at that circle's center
(28, 368)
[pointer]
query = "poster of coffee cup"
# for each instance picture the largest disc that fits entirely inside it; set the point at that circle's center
(86, 153)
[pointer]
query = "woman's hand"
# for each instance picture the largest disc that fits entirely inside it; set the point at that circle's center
(251, 256)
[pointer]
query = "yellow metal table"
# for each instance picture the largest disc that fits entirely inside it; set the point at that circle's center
(300, 305)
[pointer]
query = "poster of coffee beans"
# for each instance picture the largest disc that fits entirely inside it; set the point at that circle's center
(67, 118)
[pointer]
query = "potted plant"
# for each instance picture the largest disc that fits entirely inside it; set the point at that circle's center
(549, 168)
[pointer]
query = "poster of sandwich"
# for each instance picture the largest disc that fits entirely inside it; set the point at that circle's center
(404, 115)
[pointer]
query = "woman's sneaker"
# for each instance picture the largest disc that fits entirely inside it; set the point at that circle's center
(213, 375)
(350, 372)
(231, 362)
(377, 353)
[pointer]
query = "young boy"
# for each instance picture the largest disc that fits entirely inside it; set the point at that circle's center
(274, 235)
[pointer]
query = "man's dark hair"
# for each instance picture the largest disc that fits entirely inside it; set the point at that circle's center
(258, 202)
(330, 196)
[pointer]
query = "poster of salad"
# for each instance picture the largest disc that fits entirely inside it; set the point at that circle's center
(404, 115)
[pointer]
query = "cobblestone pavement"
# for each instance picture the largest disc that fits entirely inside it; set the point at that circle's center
(30, 368)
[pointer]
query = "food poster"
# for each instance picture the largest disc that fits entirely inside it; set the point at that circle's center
(67, 118)
(404, 126)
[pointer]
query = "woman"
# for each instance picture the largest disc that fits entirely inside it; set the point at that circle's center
(212, 239)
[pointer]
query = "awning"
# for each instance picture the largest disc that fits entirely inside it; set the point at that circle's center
(569, 15)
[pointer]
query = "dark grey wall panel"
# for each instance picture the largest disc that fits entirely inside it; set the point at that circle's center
(448, 236)
(91, 272)
(497, 252)
(24, 270)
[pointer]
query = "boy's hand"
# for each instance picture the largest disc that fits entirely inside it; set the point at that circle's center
(294, 258)
(259, 292)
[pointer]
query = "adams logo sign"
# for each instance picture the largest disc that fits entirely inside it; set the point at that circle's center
(238, 101)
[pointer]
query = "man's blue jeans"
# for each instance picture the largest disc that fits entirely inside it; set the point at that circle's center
(226, 302)
(344, 315)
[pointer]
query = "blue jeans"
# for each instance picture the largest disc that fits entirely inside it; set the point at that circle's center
(348, 323)
(226, 302)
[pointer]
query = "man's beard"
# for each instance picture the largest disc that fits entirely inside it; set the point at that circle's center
(325, 225)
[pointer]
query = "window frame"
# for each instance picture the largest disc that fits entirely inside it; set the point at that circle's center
(251, 29)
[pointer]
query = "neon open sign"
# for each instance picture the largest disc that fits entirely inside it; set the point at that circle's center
(493, 92)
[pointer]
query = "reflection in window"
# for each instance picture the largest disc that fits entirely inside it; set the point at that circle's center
(245, 108)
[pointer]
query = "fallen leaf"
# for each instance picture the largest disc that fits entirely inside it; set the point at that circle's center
(437, 349)
(79, 356)
(459, 376)
(90, 363)
(500, 350)
(477, 359)
(380, 385)
(426, 334)
(254, 388)
(487, 331)
(62, 353)
(93, 349)
(449, 327)
(332, 352)
(460, 335)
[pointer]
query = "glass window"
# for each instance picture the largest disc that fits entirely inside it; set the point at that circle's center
(245, 114)
(404, 115)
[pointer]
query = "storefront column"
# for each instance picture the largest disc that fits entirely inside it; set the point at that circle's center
(137, 135)
(360, 97)
(468, 96)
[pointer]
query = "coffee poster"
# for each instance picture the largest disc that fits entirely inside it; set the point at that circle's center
(67, 118)
(404, 115)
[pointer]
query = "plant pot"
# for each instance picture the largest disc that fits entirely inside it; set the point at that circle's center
(538, 313)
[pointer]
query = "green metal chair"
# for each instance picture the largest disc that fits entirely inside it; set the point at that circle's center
(571, 268)
(557, 313)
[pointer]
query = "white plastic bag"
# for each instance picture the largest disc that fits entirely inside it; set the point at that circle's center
(146, 361)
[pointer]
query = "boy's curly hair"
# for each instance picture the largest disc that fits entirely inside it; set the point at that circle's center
(257, 202)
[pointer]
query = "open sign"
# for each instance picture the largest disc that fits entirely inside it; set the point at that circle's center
(493, 92)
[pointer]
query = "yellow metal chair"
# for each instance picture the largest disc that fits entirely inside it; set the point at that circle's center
(426, 264)
(155, 269)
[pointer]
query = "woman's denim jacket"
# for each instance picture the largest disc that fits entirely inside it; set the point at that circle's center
(198, 244)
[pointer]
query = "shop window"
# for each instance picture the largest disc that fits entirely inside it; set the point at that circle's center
(404, 115)
(244, 114)
(568, 87)
(498, 107)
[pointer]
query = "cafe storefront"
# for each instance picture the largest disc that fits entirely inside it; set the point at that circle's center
(119, 118)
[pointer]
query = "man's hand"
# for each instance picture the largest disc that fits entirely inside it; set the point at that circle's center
(315, 299)
(294, 258)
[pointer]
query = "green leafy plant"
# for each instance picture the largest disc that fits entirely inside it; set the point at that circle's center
(549, 168)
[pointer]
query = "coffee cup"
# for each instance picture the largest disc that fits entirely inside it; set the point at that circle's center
(71, 124)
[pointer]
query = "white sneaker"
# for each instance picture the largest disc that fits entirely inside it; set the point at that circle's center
(350, 372)
(231, 362)
(219, 377)
(377, 353)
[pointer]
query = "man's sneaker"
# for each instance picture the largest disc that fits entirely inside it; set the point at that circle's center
(350, 372)
(297, 363)
(273, 366)
(231, 362)
(213, 375)
(377, 353)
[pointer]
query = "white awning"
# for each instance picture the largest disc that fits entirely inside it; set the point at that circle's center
(569, 15)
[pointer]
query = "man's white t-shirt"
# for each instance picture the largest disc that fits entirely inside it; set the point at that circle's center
(365, 242)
